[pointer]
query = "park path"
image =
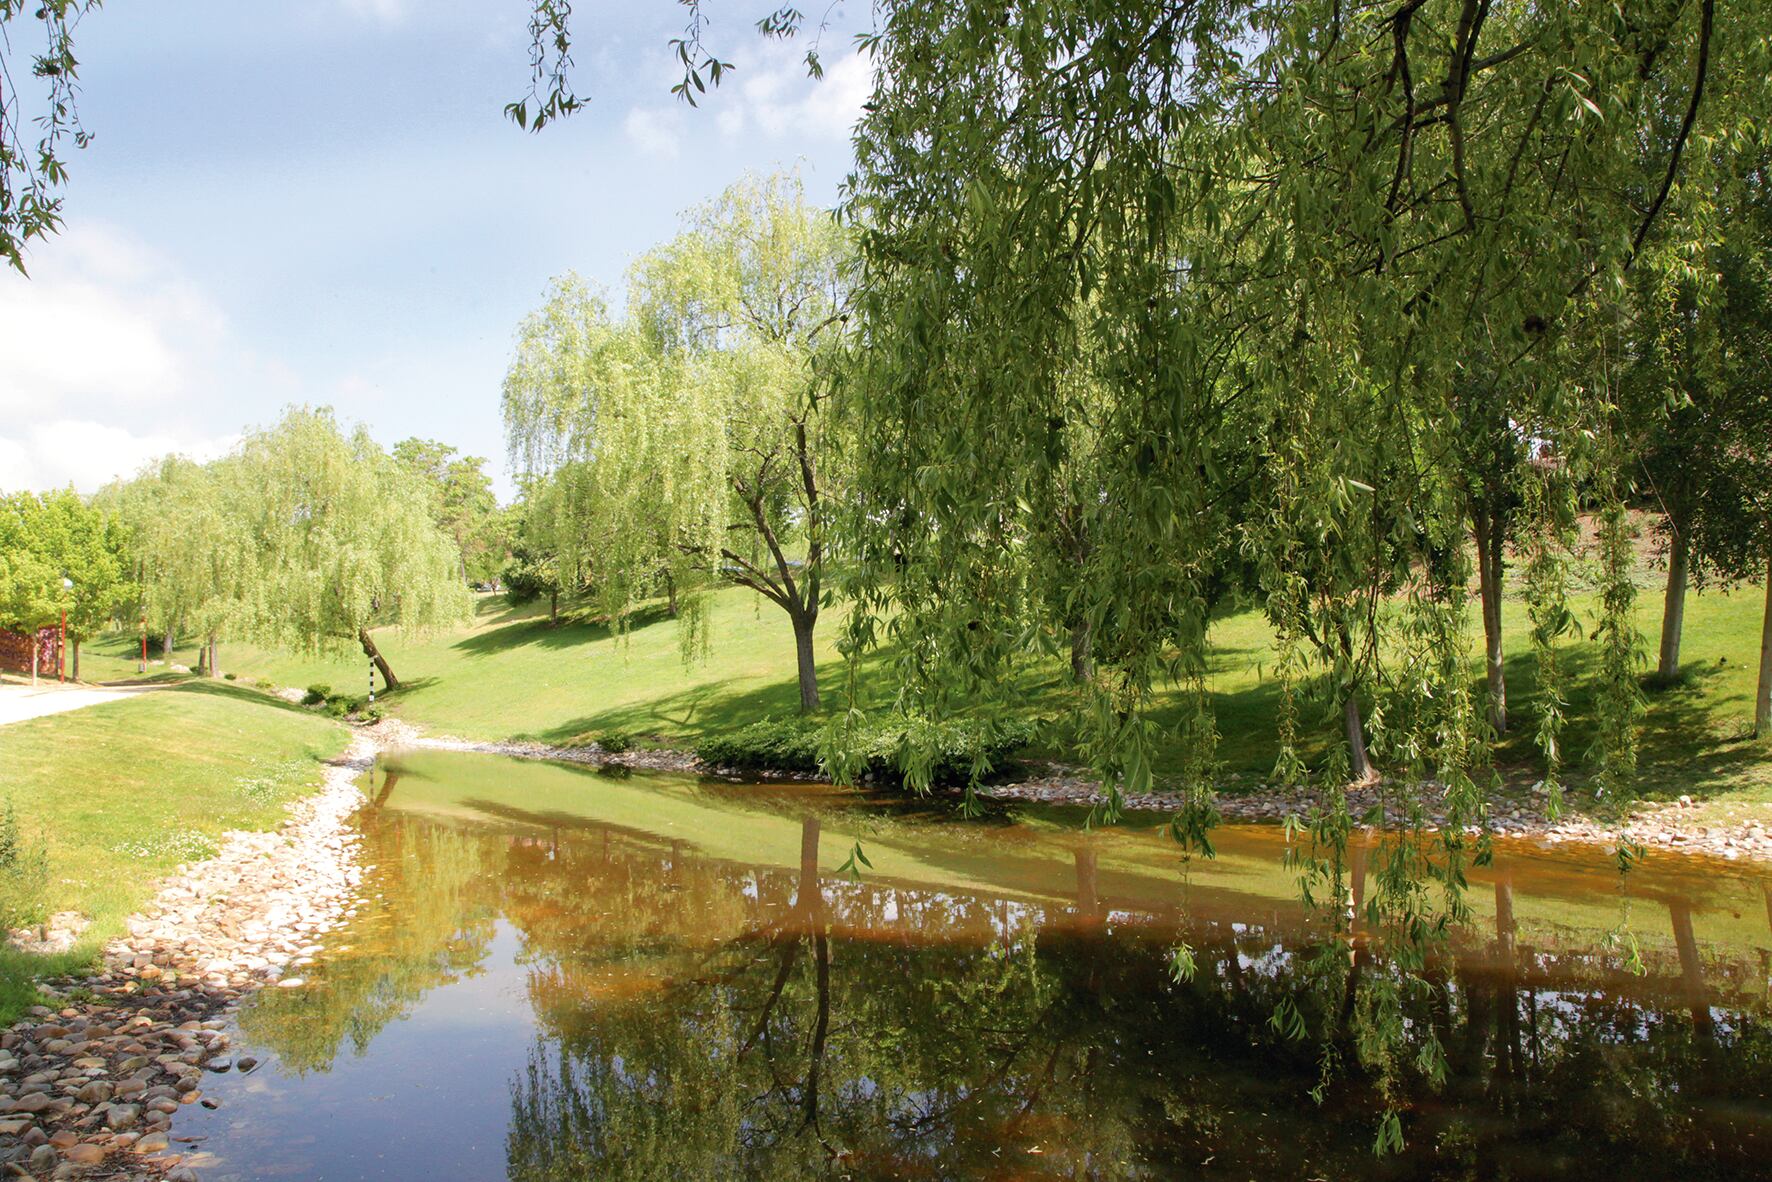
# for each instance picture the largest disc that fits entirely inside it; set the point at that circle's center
(21, 700)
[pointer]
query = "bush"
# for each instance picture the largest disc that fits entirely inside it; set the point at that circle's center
(883, 750)
(227, 677)
(615, 742)
(264, 684)
(770, 745)
(373, 715)
(340, 705)
(316, 695)
(24, 874)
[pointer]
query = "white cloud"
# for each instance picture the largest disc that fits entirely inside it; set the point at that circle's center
(110, 358)
(100, 319)
(768, 94)
(88, 454)
(655, 131)
(773, 94)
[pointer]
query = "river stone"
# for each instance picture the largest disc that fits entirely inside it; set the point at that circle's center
(86, 1154)
(96, 1092)
(153, 1143)
(122, 1116)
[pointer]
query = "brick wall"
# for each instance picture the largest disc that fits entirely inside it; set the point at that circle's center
(15, 652)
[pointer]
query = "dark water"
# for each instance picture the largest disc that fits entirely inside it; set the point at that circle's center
(557, 974)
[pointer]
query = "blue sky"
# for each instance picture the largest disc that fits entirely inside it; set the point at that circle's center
(324, 203)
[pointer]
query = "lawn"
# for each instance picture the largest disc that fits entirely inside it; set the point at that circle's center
(122, 792)
(513, 673)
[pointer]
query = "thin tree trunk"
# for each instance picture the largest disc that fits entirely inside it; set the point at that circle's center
(553, 607)
(76, 644)
(1763, 699)
(166, 647)
(1082, 658)
(1673, 609)
(1358, 763)
(381, 662)
(803, 625)
(202, 660)
(671, 594)
(1489, 576)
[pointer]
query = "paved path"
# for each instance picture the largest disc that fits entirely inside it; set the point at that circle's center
(19, 701)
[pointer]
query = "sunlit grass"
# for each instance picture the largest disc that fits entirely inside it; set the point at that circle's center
(512, 673)
(122, 792)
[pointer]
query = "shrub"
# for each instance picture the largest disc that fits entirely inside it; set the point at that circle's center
(373, 714)
(24, 874)
(615, 742)
(882, 751)
(774, 745)
(265, 684)
(341, 705)
(316, 695)
(227, 677)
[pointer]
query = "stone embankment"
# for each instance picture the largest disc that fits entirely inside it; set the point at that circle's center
(1679, 826)
(89, 1088)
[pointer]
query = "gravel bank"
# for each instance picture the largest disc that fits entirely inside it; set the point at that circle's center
(89, 1088)
(1675, 826)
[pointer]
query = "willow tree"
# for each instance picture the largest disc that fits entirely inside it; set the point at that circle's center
(690, 437)
(336, 538)
(1312, 217)
(186, 551)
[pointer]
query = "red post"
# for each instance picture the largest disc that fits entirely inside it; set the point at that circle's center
(61, 650)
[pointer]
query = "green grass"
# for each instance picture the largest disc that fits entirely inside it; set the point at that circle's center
(122, 792)
(511, 673)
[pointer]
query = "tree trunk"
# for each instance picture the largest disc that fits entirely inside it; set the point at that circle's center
(381, 662)
(1763, 698)
(1082, 658)
(553, 607)
(803, 625)
(202, 660)
(166, 647)
(76, 645)
(671, 595)
(1489, 576)
(1358, 763)
(1673, 609)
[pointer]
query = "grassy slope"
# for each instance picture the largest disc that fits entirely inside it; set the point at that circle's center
(511, 674)
(123, 792)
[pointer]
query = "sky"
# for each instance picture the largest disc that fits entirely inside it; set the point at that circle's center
(323, 204)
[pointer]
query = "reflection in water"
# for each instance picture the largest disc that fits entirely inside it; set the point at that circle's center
(697, 1002)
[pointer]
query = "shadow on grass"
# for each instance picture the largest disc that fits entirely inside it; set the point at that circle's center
(713, 707)
(570, 632)
(218, 688)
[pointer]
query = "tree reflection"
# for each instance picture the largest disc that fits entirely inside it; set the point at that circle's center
(699, 1018)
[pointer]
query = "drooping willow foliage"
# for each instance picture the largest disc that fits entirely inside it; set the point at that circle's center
(1268, 242)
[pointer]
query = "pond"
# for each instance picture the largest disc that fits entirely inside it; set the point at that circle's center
(556, 973)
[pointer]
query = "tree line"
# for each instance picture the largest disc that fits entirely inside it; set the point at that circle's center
(306, 537)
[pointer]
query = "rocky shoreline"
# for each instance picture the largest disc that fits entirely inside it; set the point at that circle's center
(89, 1088)
(1676, 826)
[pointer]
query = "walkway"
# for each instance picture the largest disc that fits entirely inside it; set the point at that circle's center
(21, 700)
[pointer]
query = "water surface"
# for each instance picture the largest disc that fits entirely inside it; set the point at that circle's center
(559, 974)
